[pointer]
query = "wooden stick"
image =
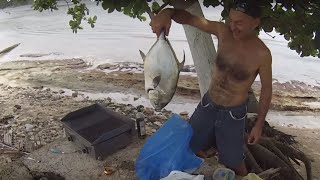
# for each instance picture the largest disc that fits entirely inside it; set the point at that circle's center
(5, 145)
(9, 48)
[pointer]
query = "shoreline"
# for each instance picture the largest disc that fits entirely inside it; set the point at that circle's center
(79, 75)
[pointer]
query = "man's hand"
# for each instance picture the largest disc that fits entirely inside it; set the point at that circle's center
(162, 21)
(255, 134)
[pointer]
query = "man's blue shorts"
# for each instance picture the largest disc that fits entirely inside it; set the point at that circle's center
(220, 127)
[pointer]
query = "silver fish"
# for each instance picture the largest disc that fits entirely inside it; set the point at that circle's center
(161, 72)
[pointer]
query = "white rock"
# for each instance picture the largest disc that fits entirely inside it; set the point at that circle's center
(28, 127)
(158, 123)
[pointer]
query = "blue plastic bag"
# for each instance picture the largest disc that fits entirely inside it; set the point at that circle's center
(167, 150)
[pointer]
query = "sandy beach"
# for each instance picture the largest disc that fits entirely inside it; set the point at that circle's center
(35, 95)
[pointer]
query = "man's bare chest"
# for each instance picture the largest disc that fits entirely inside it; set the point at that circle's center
(237, 65)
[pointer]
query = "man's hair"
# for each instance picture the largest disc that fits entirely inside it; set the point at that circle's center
(249, 7)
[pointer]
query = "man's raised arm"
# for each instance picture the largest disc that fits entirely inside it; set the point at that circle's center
(163, 21)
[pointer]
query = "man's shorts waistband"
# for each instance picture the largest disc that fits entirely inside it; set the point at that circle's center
(206, 100)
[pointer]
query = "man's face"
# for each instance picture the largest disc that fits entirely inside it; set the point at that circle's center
(241, 24)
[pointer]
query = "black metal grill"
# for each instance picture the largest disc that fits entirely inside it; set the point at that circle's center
(98, 131)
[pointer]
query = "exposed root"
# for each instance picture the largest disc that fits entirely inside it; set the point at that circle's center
(268, 143)
(295, 154)
(271, 132)
(251, 162)
(275, 149)
(270, 160)
(269, 174)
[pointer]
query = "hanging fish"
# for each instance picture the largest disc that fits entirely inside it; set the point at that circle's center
(161, 72)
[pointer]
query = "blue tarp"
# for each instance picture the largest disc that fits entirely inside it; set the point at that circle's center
(167, 150)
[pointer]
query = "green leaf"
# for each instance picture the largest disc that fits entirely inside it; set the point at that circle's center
(126, 10)
(117, 6)
(287, 37)
(95, 18)
(224, 13)
(136, 8)
(75, 1)
(206, 3)
(111, 9)
(143, 18)
(212, 3)
(106, 4)
(155, 6)
(267, 27)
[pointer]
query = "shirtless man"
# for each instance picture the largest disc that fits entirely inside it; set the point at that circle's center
(219, 119)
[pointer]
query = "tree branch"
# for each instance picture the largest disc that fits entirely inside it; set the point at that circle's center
(269, 34)
(9, 48)
(182, 4)
(151, 15)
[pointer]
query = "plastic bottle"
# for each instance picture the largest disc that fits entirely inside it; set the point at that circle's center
(223, 174)
(141, 125)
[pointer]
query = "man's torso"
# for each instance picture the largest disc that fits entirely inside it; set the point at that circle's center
(234, 70)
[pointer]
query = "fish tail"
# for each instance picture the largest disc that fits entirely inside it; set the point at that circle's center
(162, 35)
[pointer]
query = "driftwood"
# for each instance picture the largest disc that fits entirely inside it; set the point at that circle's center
(8, 49)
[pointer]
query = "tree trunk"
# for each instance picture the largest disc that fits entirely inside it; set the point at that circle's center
(201, 47)
(203, 51)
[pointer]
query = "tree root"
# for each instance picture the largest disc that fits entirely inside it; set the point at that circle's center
(271, 132)
(295, 154)
(270, 153)
(252, 163)
(269, 174)
(270, 160)
(270, 145)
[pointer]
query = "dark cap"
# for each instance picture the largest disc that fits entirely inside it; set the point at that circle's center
(249, 7)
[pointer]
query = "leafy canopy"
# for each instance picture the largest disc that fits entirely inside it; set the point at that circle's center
(298, 21)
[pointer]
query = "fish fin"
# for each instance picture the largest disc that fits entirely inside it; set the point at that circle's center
(180, 65)
(142, 55)
(156, 81)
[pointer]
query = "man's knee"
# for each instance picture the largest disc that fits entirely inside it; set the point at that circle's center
(233, 157)
(241, 170)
